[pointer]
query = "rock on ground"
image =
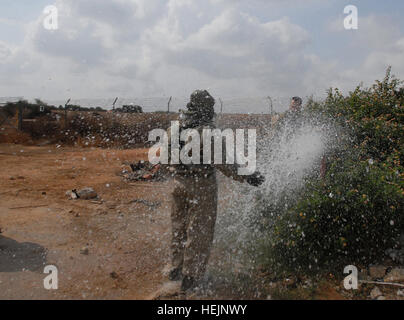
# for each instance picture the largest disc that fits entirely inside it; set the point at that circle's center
(84, 250)
(377, 272)
(87, 193)
(375, 293)
(395, 275)
(170, 289)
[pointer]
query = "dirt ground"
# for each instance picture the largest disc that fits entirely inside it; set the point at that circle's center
(127, 240)
(126, 232)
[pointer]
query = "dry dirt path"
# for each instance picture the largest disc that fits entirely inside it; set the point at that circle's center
(127, 241)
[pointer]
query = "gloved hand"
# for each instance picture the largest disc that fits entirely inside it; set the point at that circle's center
(256, 179)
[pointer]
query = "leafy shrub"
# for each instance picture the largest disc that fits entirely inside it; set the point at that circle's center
(30, 110)
(355, 213)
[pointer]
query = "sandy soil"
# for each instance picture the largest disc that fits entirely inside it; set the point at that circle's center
(127, 241)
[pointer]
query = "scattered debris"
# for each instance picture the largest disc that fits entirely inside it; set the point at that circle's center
(75, 214)
(33, 206)
(375, 293)
(364, 275)
(290, 283)
(84, 194)
(383, 283)
(400, 293)
(377, 272)
(72, 194)
(111, 205)
(45, 143)
(87, 193)
(97, 202)
(146, 185)
(142, 171)
(151, 204)
(84, 251)
(395, 275)
(169, 289)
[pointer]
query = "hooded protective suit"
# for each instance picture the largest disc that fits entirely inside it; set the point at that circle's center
(194, 205)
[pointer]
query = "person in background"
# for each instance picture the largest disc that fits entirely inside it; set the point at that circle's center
(296, 104)
(293, 117)
(296, 108)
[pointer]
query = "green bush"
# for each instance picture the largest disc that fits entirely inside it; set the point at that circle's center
(30, 110)
(355, 213)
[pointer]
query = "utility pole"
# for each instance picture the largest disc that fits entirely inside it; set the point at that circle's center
(19, 124)
(66, 104)
(168, 104)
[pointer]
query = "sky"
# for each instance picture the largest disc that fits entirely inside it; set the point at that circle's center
(236, 49)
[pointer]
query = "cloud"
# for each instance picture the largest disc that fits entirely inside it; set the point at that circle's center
(5, 52)
(214, 41)
(159, 48)
(377, 44)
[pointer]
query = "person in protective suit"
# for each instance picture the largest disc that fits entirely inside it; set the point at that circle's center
(194, 206)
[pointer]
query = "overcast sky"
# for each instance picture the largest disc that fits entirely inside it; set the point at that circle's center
(156, 48)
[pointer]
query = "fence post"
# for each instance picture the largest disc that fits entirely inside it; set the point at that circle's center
(66, 104)
(168, 104)
(113, 105)
(19, 118)
(271, 108)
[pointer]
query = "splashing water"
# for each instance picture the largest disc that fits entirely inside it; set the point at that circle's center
(286, 157)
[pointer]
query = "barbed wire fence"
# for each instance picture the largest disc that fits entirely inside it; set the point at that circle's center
(249, 105)
(269, 105)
